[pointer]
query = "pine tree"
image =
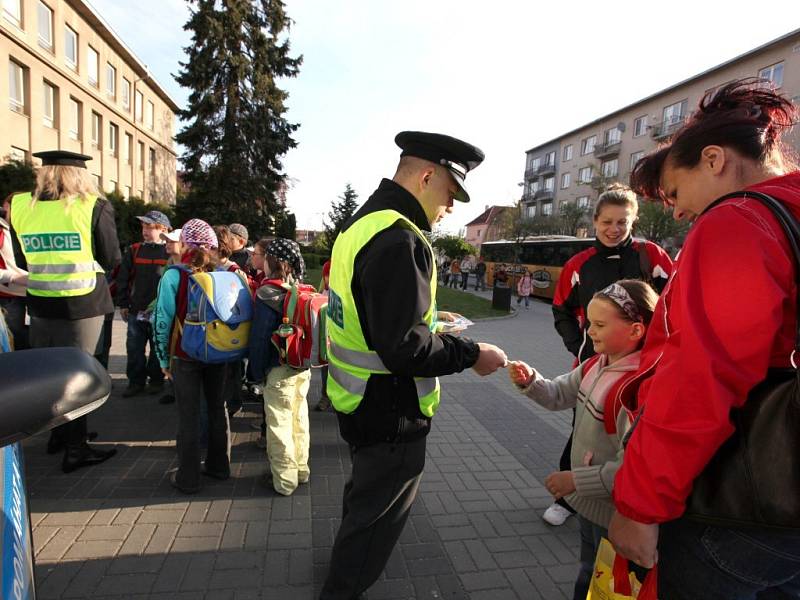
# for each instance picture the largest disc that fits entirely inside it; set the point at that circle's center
(236, 134)
(340, 213)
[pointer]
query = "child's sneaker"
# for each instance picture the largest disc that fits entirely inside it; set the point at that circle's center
(556, 515)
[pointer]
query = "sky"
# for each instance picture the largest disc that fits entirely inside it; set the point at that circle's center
(505, 76)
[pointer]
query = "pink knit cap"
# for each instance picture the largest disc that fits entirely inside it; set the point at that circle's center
(198, 233)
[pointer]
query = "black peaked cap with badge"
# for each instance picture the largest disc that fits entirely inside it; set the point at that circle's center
(456, 156)
(62, 158)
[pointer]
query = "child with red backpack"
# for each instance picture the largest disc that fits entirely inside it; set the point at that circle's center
(189, 310)
(285, 386)
(619, 316)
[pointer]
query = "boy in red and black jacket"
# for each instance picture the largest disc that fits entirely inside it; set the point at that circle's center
(137, 285)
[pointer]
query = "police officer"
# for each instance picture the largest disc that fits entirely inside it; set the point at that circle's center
(65, 236)
(385, 355)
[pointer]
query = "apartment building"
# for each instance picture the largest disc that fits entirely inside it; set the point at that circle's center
(573, 167)
(72, 84)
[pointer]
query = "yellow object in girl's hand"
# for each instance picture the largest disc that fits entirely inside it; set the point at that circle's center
(612, 580)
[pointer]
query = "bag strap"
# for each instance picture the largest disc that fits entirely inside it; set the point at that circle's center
(792, 230)
(644, 262)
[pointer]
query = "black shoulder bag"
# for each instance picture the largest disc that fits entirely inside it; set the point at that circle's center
(754, 478)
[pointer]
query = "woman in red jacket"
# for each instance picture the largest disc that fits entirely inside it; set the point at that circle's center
(725, 317)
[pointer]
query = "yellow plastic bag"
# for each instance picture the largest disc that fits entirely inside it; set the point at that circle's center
(613, 581)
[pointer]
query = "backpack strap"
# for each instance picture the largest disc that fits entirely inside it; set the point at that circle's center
(614, 404)
(588, 364)
(645, 265)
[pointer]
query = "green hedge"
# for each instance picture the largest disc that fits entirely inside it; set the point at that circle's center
(313, 260)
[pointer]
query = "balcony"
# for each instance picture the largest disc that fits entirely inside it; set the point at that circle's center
(528, 197)
(607, 150)
(666, 128)
(544, 194)
(530, 173)
(546, 169)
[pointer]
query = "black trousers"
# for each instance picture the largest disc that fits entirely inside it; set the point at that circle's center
(565, 464)
(376, 504)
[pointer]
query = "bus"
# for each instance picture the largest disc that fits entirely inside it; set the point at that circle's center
(542, 255)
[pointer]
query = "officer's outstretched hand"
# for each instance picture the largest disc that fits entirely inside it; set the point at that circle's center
(490, 359)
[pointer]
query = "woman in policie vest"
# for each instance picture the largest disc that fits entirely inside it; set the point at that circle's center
(384, 357)
(65, 236)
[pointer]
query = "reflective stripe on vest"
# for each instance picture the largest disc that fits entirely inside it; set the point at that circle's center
(350, 360)
(56, 238)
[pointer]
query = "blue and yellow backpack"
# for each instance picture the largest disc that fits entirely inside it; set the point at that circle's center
(219, 312)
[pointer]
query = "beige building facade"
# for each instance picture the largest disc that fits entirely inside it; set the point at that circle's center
(70, 83)
(573, 167)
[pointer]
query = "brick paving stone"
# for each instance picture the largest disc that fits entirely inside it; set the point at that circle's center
(104, 532)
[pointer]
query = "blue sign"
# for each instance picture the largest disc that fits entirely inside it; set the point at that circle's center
(16, 568)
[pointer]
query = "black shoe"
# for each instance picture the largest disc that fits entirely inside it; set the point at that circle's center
(173, 480)
(132, 390)
(56, 445)
(167, 399)
(84, 456)
(216, 474)
(154, 388)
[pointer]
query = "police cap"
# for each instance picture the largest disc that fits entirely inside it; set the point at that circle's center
(456, 156)
(62, 158)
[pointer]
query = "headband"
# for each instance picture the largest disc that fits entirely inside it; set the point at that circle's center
(620, 296)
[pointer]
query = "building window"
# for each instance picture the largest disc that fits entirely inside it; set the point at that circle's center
(111, 81)
(71, 48)
(126, 94)
(610, 168)
(567, 153)
(674, 112)
(112, 186)
(92, 66)
(566, 179)
(96, 125)
(587, 145)
(75, 112)
(126, 192)
(18, 154)
(534, 186)
(148, 115)
(635, 157)
(640, 126)
(773, 73)
(152, 161)
(113, 134)
(585, 175)
(45, 17)
(16, 86)
(549, 183)
(96, 179)
(612, 136)
(12, 10)
(141, 156)
(128, 148)
(137, 107)
(50, 103)
(536, 162)
(530, 211)
(547, 209)
(479, 233)
(583, 202)
(550, 158)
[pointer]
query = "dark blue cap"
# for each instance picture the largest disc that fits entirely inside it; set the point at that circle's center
(155, 217)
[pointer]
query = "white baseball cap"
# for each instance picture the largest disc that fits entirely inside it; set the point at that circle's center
(172, 236)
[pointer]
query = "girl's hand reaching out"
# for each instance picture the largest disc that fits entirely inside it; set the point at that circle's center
(521, 373)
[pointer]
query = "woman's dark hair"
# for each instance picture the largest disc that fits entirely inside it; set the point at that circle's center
(200, 259)
(263, 243)
(224, 241)
(278, 269)
(744, 115)
(642, 294)
(617, 194)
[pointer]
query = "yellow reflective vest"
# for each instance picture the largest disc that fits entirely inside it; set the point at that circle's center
(56, 239)
(350, 360)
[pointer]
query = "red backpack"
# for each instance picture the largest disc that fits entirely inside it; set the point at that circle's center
(301, 338)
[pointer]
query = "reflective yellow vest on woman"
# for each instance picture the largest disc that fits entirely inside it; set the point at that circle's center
(56, 239)
(350, 360)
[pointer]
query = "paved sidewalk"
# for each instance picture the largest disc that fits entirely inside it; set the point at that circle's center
(119, 530)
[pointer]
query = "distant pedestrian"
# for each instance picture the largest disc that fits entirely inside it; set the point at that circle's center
(480, 275)
(466, 267)
(524, 289)
(455, 273)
